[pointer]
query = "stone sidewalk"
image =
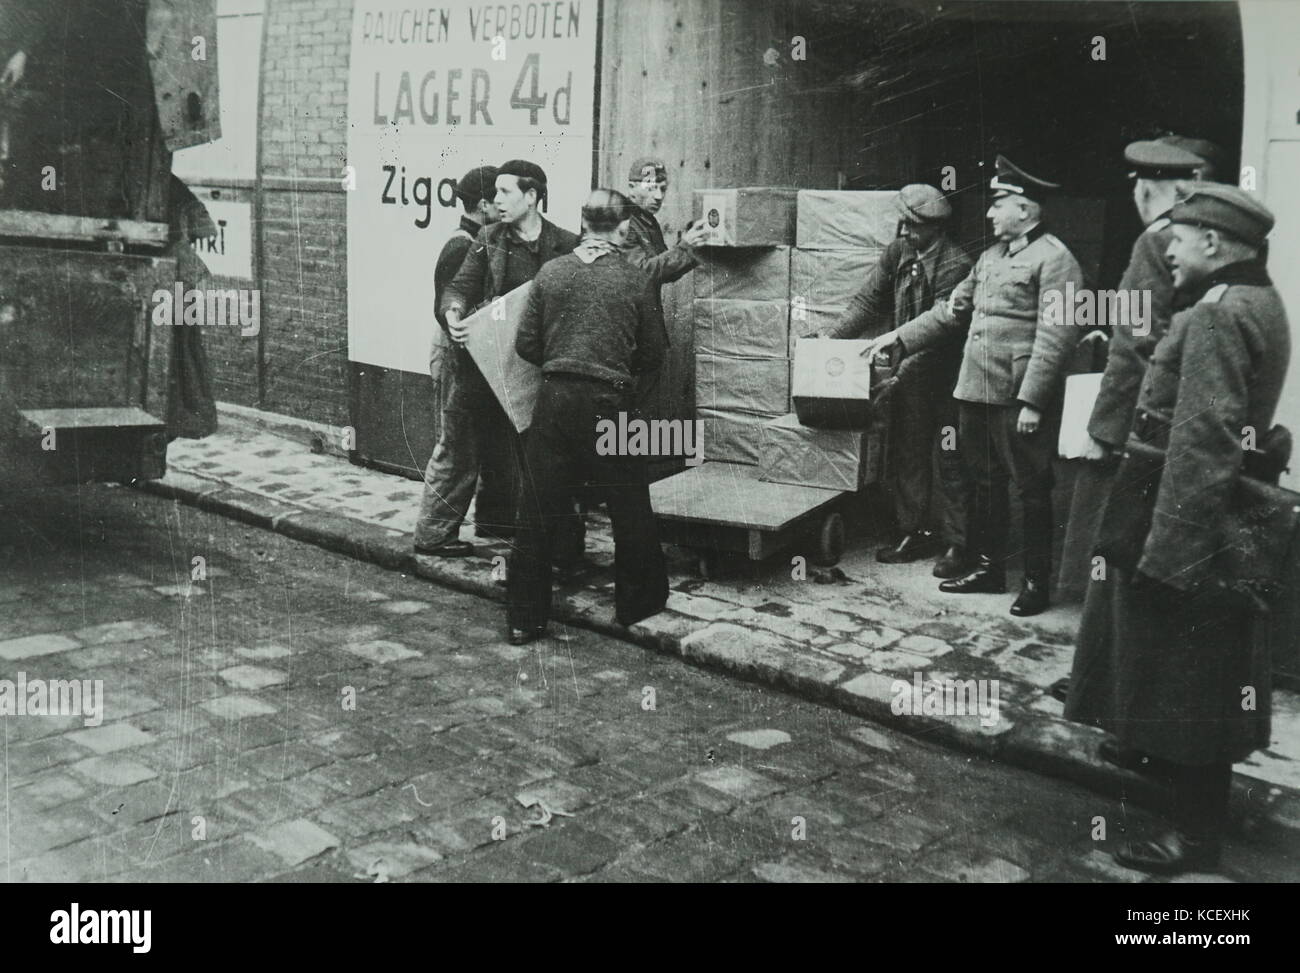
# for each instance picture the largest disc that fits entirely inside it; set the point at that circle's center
(841, 636)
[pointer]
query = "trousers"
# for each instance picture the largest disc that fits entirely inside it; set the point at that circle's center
(996, 456)
(560, 457)
(922, 474)
(477, 440)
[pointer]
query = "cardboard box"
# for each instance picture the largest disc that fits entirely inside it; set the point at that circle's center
(733, 437)
(811, 320)
(742, 329)
(831, 219)
(491, 343)
(831, 383)
(757, 216)
(743, 273)
(759, 385)
(830, 278)
(833, 459)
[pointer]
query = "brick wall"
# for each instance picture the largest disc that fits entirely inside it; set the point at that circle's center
(303, 229)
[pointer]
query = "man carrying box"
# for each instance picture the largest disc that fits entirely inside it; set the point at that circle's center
(592, 323)
(920, 267)
(504, 255)
(1011, 381)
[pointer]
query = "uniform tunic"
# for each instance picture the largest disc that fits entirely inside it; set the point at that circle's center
(1162, 661)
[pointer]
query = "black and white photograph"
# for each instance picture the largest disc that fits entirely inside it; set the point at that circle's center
(650, 441)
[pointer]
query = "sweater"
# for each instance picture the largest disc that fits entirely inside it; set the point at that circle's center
(600, 319)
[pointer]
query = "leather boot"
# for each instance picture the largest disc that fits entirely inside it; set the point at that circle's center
(1171, 853)
(1032, 599)
(913, 547)
(988, 578)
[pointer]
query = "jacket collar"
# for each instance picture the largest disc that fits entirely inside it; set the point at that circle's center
(1025, 239)
(1247, 273)
(469, 226)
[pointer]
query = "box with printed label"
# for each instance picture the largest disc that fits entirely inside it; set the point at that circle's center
(742, 384)
(830, 219)
(756, 216)
(741, 329)
(831, 383)
(829, 458)
(809, 320)
(743, 273)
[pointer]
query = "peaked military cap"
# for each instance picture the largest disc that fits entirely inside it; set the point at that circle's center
(1010, 179)
(919, 203)
(1227, 208)
(1166, 158)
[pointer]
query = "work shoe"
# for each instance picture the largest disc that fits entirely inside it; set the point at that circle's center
(913, 547)
(494, 533)
(1171, 853)
(522, 636)
(1032, 599)
(1060, 690)
(986, 579)
(953, 564)
(445, 549)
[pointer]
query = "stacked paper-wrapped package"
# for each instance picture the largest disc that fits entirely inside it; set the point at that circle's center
(838, 239)
(741, 317)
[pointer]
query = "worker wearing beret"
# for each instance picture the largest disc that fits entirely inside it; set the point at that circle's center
(922, 266)
(1011, 380)
(1164, 653)
(1159, 167)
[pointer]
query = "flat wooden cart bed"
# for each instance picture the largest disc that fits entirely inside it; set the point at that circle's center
(725, 507)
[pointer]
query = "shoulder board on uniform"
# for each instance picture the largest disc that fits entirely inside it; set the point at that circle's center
(1214, 294)
(1055, 242)
(1159, 225)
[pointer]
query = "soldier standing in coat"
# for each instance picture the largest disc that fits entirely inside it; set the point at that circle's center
(1165, 658)
(922, 266)
(1010, 383)
(1158, 169)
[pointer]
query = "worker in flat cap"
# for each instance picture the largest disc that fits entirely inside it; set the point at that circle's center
(504, 255)
(448, 363)
(1159, 169)
(1166, 649)
(1010, 383)
(920, 267)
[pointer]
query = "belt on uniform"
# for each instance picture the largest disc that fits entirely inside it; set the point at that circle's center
(1152, 428)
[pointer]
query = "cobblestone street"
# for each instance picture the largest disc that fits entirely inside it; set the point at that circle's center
(279, 712)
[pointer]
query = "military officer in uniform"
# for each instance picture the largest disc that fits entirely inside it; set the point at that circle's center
(1158, 169)
(1010, 383)
(1164, 652)
(922, 266)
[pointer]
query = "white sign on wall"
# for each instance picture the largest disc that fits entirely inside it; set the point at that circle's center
(434, 92)
(228, 253)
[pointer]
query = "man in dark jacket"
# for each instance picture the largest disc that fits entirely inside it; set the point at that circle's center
(592, 323)
(476, 192)
(919, 268)
(1166, 659)
(645, 246)
(503, 256)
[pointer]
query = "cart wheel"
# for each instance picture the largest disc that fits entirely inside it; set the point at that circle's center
(830, 540)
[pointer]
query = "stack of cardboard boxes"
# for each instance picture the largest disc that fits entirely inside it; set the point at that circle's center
(755, 296)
